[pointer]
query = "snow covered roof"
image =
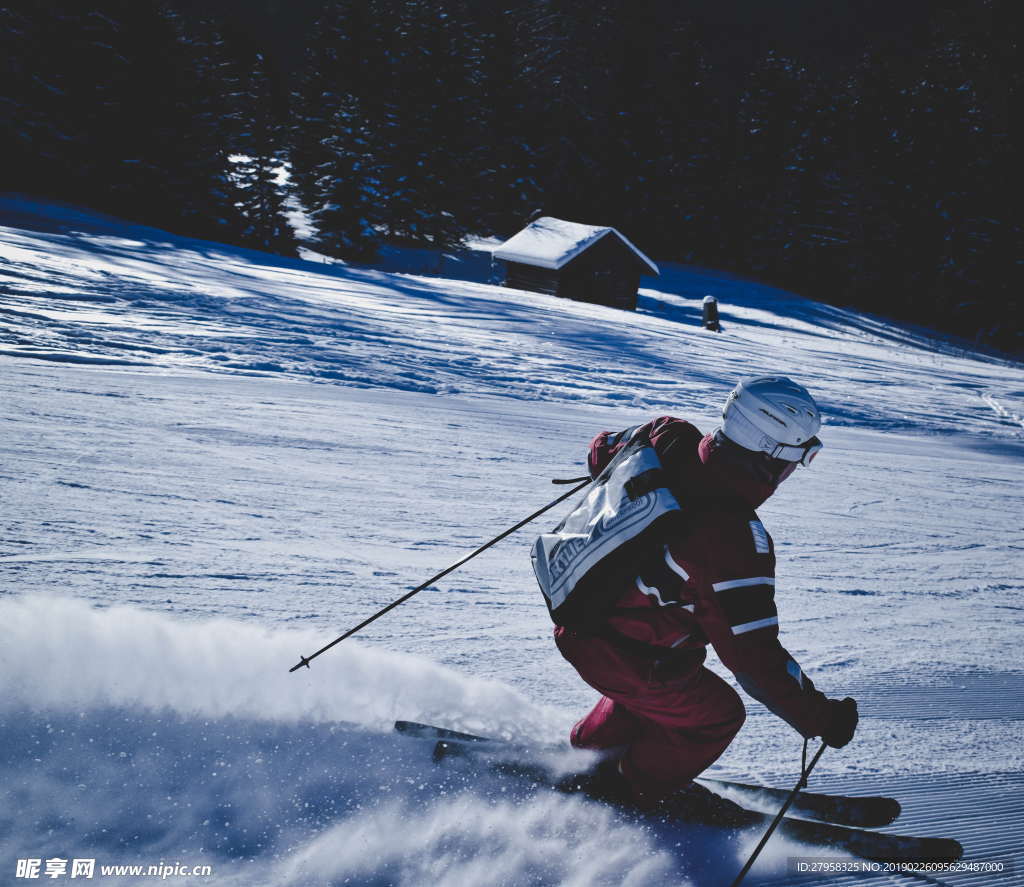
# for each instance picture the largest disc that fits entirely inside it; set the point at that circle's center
(553, 243)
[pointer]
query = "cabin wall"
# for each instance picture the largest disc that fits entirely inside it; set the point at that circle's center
(607, 273)
(531, 278)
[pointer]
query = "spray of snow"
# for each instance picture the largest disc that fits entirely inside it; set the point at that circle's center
(469, 841)
(62, 654)
(138, 737)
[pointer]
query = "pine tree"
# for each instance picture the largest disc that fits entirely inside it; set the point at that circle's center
(678, 205)
(197, 129)
(348, 196)
(66, 73)
(499, 168)
(316, 100)
(572, 105)
(961, 202)
(871, 145)
(115, 112)
(420, 146)
(25, 124)
(769, 168)
(260, 169)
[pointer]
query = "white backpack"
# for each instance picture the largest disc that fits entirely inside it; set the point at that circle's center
(583, 564)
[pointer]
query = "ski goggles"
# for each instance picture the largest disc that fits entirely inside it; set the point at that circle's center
(803, 454)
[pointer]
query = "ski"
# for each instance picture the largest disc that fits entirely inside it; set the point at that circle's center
(870, 845)
(863, 812)
(868, 812)
(874, 846)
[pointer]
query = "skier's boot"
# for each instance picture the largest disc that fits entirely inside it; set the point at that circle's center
(604, 783)
(695, 803)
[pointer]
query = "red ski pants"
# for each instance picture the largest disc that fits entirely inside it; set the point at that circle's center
(674, 723)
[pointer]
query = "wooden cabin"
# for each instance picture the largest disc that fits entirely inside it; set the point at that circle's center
(582, 262)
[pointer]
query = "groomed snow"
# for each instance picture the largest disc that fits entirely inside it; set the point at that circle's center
(215, 460)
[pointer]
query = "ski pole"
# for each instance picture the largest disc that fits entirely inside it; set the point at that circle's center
(305, 660)
(805, 771)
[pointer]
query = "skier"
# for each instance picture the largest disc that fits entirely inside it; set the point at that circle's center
(668, 715)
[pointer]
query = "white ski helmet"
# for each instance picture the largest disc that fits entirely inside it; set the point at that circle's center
(773, 415)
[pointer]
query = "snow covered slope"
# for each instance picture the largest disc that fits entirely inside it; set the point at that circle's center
(131, 296)
(215, 460)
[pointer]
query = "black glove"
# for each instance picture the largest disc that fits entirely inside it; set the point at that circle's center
(842, 722)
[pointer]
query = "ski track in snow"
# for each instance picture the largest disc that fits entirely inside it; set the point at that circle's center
(215, 460)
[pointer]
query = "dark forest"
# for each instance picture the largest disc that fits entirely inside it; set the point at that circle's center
(854, 155)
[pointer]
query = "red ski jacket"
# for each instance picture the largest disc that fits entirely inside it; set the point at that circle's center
(716, 582)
